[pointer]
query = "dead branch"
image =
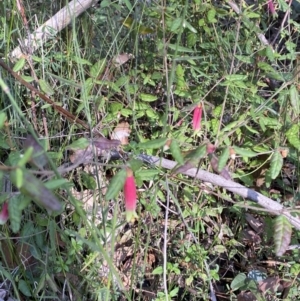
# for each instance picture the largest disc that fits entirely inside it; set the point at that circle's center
(267, 203)
(51, 27)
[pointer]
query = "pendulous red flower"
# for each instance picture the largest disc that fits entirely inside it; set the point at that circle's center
(4, 214)
(130, 196)
(197, 116)
(271, 7)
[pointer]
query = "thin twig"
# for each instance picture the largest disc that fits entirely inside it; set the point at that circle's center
(282, 23)
(59, 109)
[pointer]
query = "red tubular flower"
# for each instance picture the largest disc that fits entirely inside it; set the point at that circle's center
(4, 214)
(271, 7)
(197, 116)
(130, 196)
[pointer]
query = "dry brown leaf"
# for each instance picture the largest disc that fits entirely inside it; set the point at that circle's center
(250, 236)
(121, 133)
(105, 144)
(246, 296)
(98, 147)
(121, 59)
(270, 285)
(214, 161)
(85, 155)
(38, 159)
(254, 223)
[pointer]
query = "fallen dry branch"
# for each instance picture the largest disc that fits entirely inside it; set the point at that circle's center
(265, 202)
(51, 27)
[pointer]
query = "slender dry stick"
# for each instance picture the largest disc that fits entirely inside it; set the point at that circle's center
(273, 207)
(59, 109)
(166, 243)
(54, 25)
(282, 23)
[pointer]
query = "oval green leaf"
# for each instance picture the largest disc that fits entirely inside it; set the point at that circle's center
(176, 152)
(147, 174)
(292, 136)
(14, 213)
(223, 159)
(45, 87)
(81, 143)
(116, 184)
(282, 234)
(19, 65)
(153, 144)
(276, 164)
(294, 97)
(244, 152)
(97, 69)
(147, 97)
(3, 118)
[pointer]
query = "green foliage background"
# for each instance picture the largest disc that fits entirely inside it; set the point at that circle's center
(182, 53)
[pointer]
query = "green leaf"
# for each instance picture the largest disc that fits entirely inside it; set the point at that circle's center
(24, 201)
(157, 271)
(174, 292)
(86, 89)
(244, 59)
(197, 153)
(294, 97)
(115, 185)
(191, 159)
(15, 213)
(238, 281)
(189, 26)
(211, 16)
(3, 118)
(19, 177)
(81, 61)
(34, 188)
(176, 152)
(223, 159)
(176, 24)
(251, 14)
(236, 77)
(98, 68)
(147, 174)
(153, 144)
(26, 157)
(282, 234)
(219, 249)
(244, 152)
(135, 164)
(81, 143)
(19, 65)
(147, 97)
(45, 87)
(88, 181)
(180, 48)
(152, 114)
(292, 136)
(57, 183)
(24, 289)
(276, 164)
